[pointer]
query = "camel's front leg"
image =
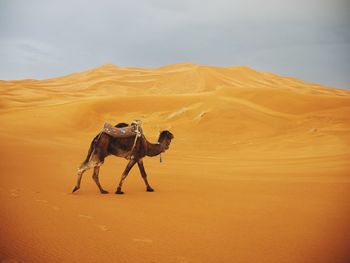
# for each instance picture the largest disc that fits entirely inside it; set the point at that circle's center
(144, 175)
(124, 175)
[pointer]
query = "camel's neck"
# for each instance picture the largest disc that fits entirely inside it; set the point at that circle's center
(154, 149)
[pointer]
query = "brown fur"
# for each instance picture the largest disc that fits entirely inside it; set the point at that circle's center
(103, 145)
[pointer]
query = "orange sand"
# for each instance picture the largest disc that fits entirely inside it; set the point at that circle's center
(259, 170)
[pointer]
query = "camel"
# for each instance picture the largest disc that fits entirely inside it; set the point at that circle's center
(103, 145)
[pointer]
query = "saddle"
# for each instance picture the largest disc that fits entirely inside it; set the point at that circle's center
(125, 132)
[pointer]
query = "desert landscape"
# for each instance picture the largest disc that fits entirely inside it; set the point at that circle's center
(258, 171)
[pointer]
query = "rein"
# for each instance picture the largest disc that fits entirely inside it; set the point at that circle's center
(163, 150)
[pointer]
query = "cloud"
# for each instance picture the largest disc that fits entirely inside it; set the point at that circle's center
(24, 48)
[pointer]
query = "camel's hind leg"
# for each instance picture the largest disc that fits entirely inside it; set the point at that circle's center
(97, 181)
(83, 168)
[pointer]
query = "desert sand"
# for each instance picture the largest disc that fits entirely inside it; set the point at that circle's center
(259, 170)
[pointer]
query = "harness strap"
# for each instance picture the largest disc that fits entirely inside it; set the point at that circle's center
(138, 132)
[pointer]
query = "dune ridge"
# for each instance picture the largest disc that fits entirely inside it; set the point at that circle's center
(182, 78)
(258, 171)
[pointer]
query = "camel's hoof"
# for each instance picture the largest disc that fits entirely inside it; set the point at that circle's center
(149, 189)
(104, 192)
(119, 191)
(75, 189)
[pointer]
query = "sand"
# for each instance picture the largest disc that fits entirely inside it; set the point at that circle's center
(259, 170)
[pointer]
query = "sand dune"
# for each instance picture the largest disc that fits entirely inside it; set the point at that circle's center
(258, 171)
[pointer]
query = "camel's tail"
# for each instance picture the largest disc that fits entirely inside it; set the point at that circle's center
(92, 147)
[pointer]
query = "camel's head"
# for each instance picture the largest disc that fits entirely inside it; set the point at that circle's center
(165, 138)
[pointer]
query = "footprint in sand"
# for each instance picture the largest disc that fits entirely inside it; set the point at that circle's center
(103, 227)
(56, 208)
(15, 193)
(142, 240)
(45, 202)
(86, 216)
(42, 201)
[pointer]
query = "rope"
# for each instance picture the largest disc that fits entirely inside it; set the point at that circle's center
(137, 124)
(160, 155)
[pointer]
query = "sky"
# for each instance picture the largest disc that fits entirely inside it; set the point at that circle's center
(307, 39)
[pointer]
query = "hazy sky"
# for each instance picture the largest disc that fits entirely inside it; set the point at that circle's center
(308, 39)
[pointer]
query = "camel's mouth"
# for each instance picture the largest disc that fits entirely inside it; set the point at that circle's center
(166, 144)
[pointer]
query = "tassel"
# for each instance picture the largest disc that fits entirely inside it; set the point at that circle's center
(160, 158)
